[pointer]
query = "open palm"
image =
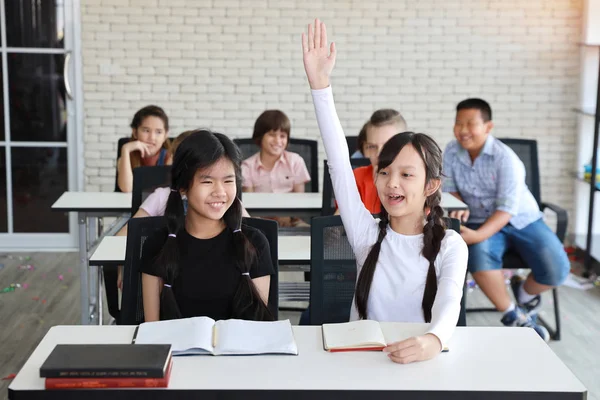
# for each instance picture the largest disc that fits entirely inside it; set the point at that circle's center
(318, 57)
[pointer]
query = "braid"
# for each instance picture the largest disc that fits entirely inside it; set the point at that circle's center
(433, 234)
(365, 278)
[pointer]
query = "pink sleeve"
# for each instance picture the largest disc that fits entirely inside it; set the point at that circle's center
(246, 175)
(300, 171)
(156, 203)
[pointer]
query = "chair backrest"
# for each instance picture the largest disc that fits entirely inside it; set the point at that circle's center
(328, 199)
(306, 148)
(352, 143)
(334, 271)
(145, 181)
(132, 309)
(138, 230)
(120, 144)
(527, 151)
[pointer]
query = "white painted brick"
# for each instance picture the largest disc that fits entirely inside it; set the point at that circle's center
(220, 63)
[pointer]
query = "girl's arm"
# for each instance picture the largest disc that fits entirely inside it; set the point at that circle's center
(453, 269)
(299, 188)
(262, 285)
(318, 63)
(124, 172)
(151, 287)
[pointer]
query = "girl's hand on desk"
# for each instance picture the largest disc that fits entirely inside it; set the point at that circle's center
(318, 58)
(418, 348)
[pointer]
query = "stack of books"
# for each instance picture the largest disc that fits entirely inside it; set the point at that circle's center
(91, 366)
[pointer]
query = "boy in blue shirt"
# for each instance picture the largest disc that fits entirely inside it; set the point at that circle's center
(490, 178)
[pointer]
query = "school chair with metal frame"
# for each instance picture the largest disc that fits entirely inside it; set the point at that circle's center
(334, 272)
(306, 148)
(528, 153)
(132, 309)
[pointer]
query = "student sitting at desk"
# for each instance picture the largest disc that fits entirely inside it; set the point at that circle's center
(148, 145)
(411, 269)
(382, 125)
(206, 263)
(274, 169)
(490, 178)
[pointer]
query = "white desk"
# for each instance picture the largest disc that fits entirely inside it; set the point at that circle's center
(470, 370)
(89, 206)
(292, 250)
(309, 204)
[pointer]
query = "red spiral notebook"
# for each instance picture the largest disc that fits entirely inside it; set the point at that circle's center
(106, 383)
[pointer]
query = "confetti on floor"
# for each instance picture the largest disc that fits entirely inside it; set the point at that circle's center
(9, 377)
(60, 277)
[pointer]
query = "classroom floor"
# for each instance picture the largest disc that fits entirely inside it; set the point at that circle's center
(49, 295)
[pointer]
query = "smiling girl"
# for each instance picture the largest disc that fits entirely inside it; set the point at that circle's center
(206, 263)
(411, 269)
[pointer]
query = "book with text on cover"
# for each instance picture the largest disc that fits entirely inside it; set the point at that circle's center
(107, 361)
(368, 335)
(202, 335)
(106, 383)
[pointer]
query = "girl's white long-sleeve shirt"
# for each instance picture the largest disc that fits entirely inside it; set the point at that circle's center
(399, 282)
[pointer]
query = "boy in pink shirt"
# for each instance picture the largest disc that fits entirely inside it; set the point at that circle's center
(274, 169)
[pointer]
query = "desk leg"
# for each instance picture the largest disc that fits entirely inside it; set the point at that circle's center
(83, 269)
(93, 276)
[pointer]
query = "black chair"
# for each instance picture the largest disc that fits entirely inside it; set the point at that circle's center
(306, 148)
(527, 151)
(334, 272)
(145, 181)
(132, 310)
(352, 143)
(328, 202)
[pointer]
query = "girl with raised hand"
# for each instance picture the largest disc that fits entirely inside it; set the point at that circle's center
(411, 269)
(206, 263)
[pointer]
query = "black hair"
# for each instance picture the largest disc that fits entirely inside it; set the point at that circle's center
(433, 231)
(476, 104)
(270, 120)
(202, 149)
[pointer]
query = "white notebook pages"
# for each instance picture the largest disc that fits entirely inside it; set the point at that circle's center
(368, 335)
(202, 335)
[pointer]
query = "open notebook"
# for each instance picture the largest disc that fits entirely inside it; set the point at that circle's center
(202, 335)
(365, 335)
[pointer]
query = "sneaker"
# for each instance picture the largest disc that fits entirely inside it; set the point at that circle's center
(532, 306)
(518, 317)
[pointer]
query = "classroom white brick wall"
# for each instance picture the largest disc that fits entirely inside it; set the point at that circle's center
(220, 63)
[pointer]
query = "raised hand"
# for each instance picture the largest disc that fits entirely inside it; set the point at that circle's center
(318, 57)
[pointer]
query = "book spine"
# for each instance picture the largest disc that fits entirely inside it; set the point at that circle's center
(84, 383)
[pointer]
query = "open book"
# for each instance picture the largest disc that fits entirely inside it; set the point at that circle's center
(202, 335)
(365, 335)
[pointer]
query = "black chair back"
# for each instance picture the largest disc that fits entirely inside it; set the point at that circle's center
(527, 150)
(306, 148)
(145, 181)
(328, 202)
(132, 309)
(334, 271)
(352, 143)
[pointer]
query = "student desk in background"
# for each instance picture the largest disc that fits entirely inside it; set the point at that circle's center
(89, 206)
(292, 250)
(470, 370)
(309, 204)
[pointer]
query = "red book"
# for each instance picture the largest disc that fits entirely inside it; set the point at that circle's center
(105, 383)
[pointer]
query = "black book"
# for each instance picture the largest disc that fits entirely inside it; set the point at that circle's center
(107, 360)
